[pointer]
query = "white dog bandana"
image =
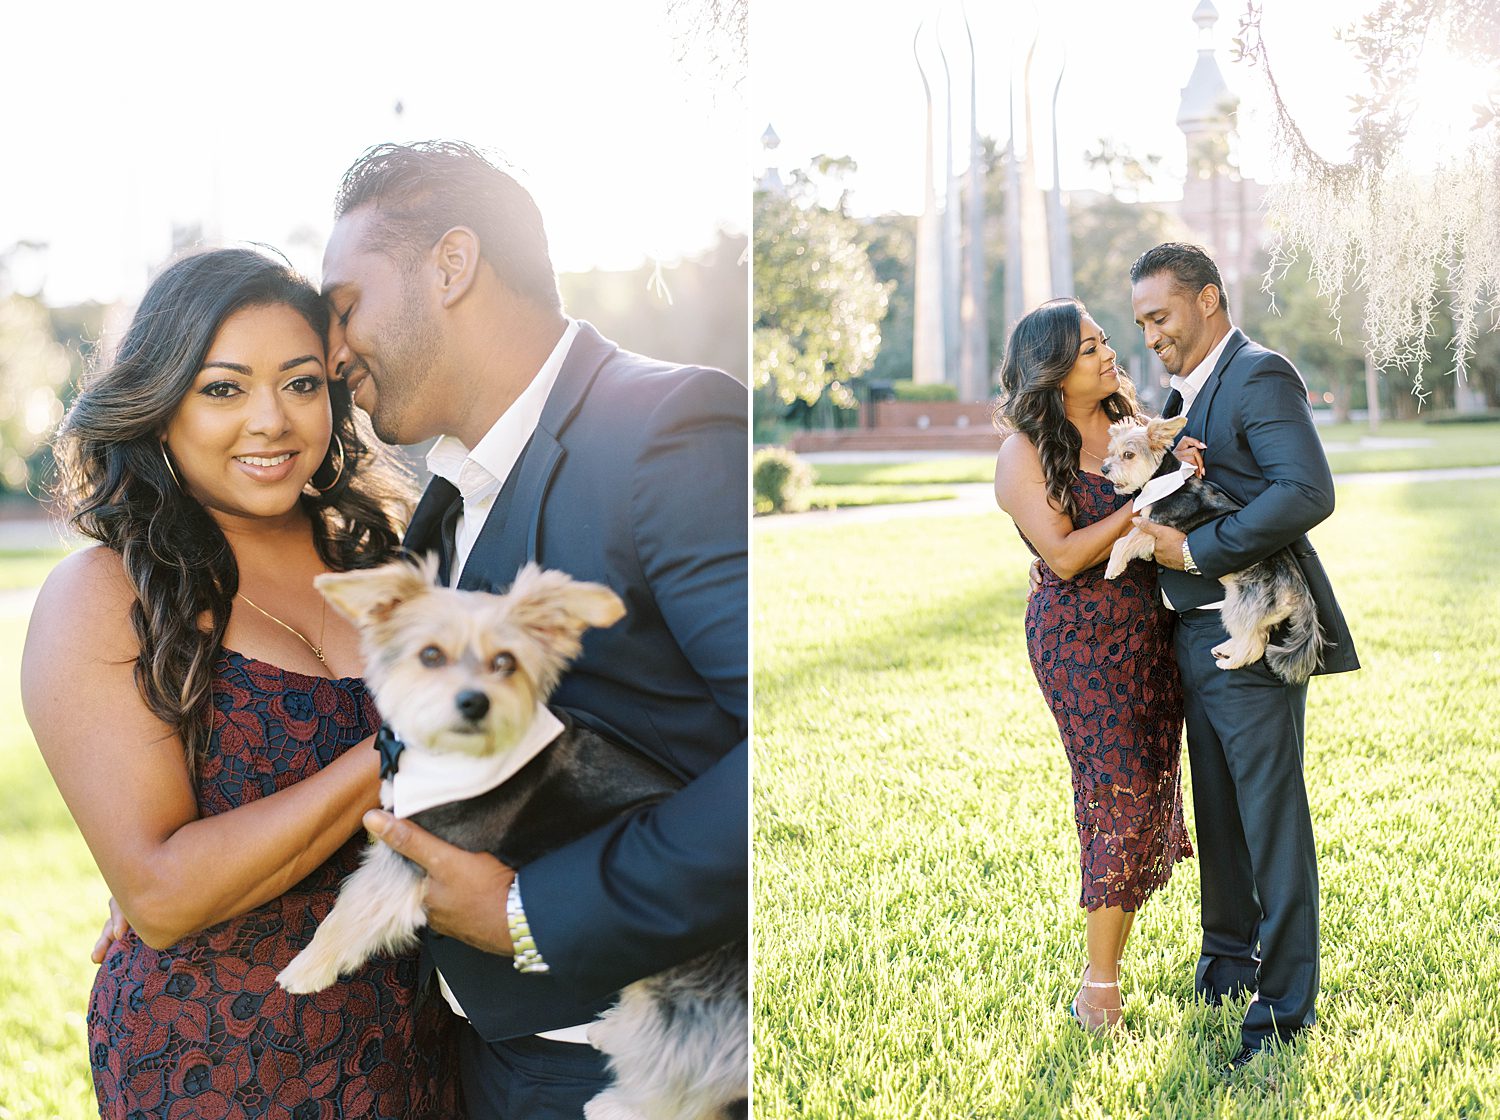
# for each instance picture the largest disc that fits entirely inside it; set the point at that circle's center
(424, 779)
(1162, 486)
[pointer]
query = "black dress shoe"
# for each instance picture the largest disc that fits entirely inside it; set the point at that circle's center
(1246, 1055)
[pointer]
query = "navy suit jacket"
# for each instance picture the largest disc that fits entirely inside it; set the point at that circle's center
(636, 477)
(1264, 452)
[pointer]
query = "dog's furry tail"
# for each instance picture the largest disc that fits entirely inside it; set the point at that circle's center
(1302, 652)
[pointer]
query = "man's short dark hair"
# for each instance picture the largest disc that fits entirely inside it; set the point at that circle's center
(423, 190)
(1189, 265)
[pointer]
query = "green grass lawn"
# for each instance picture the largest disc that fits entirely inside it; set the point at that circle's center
(845, 497)
(916, 919)
(53, 905)
(1350, 450)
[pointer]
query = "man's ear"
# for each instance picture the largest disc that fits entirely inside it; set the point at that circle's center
(456, 259)
(1208, 299)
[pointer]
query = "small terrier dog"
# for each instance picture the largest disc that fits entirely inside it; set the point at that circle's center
(1263, 596)
(462, 678)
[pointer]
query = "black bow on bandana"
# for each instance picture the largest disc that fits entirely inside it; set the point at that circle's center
(390, 749)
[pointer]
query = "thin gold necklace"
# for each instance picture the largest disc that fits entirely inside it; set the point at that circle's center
(322, 627)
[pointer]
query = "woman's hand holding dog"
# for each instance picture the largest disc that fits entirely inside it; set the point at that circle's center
(1190, 450)
(465, 890)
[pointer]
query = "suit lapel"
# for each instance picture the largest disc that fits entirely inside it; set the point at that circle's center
(512, 534)
(1198, 414)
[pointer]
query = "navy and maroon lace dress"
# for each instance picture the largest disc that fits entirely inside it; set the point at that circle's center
(201, 1030)
(1102, 651)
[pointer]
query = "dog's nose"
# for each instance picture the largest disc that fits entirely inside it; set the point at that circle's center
(472, 703)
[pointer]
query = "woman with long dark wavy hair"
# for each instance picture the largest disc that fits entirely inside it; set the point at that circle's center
(1101, 650)
(201, 710)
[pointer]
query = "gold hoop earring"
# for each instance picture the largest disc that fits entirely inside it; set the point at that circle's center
(338, 470)
(167, 459)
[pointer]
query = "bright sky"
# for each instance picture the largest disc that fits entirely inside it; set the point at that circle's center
(123, 119)
(832, 79)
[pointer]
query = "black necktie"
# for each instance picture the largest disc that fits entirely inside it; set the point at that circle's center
(447, 548)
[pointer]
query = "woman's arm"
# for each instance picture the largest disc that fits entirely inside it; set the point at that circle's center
(1021, 491)
(121, 772)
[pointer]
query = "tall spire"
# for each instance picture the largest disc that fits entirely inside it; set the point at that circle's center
(927, 333)
(952, 232)
(1036, 275)
(1058, 234)
(770, 178)
(1015, 297)
(1212, 203)
(1207, 104)
(974, 369)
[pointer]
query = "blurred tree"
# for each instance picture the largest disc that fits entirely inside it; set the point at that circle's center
(893, 245)
(1484, 372)
(1108, 235)
(818, 303)
(34, 370)
(1128, 173)
(699, 319)
(1292, 320)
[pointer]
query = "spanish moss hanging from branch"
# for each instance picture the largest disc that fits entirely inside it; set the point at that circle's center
(1407, 231)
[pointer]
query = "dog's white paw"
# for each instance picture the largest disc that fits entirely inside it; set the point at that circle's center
(1237, 653)
(307, 974)
(1116, 565)
(607, 1106)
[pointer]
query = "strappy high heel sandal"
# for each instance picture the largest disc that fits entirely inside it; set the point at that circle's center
(1109, 1024)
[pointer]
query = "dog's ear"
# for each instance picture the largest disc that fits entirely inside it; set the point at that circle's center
(557, 609)
(1161, 433)
(372, 594)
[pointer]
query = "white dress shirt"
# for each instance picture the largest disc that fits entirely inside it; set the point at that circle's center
(479, 475)
(1190, 386)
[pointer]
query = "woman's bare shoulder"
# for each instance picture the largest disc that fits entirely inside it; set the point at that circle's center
(85, 603)
(95, 571)
(1018, 457)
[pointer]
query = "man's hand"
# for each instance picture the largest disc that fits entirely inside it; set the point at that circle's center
(115, 927)
(1168, 543)
(465, 890)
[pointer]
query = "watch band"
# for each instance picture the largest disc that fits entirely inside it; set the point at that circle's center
(528, 956)
(1187, 560)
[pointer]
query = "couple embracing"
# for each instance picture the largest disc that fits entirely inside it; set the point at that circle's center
(205, 715)
(1124, 662)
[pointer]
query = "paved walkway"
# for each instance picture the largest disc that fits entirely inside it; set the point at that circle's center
(979, 497)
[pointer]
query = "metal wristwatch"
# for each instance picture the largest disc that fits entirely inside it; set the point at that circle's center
(528, 957)
(1187, 560)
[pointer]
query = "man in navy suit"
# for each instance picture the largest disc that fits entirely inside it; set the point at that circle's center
(558, 447)
(1248, 406)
